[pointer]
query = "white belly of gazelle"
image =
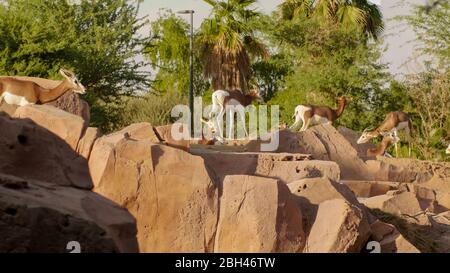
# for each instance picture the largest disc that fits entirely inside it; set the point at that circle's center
(10, 98)
(319, 120)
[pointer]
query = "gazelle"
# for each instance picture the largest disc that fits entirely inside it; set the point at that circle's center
(318, 114)
(20, 92)
(393, 122)
(211, 138)
(388, 140)
(230, 101)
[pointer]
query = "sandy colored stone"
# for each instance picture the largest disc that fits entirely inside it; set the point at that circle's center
(87, 141)
(390, 239)
(167, 190)
(324, 142)
(401, 203)
(68, 127)
(30, 151)
(42, 217)
(258, 215)
(370, 188)
(262, 164)
(340, 227)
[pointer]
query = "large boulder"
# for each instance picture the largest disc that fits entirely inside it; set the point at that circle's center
(72, 103)
(42, 217)
(68, 127)
(86, 143)
(30, 151)
(286, 167)
(168, 191)
(324, 142)
(395, 202)
(390, 239)
(339, 227)
(258, 215)
(310, 193)
(368, 189)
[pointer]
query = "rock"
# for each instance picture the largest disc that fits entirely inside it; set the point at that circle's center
(398, 203)
(390, 239)
(165, 134)
(8, 109)
(269, 165)
(168, 191)
(310, 193)
(73, 104)
(324, 142)
(87, 142)
(258, 215)
(340, 227)
(368, 189)
(30, 151)
(68, 127)
(42, 217)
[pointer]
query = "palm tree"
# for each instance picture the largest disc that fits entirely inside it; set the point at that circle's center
(360, 13)
(228, 44)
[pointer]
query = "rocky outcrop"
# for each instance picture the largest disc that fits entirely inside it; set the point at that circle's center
(310, 193)
(339, 227)
(73, 104)
(285, 167)
(390, 239)
(42, 217)
(30, 151)
(167, 190)
(258, 215)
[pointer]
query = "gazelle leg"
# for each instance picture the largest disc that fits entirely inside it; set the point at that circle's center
(408, 138)
(305, 124)
(242, 114)
(230, 117)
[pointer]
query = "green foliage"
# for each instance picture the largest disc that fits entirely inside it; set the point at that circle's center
(168, 52)
(96, 39)
(228, 44)
(329, 61)
(152, 108)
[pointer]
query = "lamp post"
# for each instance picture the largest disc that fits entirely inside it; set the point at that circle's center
(191, 68)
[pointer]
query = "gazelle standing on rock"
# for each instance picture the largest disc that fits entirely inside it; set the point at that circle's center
(19, 92)
(318, 114)
(393, 122)
(221, 99)
(388, 140)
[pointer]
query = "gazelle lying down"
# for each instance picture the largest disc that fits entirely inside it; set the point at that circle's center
(393, 122)
(388, 140)
(308, 114)
(19, 92)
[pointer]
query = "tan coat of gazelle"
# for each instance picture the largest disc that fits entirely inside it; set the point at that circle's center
(16, 91)
(388, 140)
(393, 122)
(311, 114)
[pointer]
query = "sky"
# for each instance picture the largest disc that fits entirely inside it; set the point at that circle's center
(397, 37)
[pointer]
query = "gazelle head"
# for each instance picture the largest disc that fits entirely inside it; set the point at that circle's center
(254, 94)
(447, 151)
(366, 136)
(343, 99)
(74, 84)
(390, 137)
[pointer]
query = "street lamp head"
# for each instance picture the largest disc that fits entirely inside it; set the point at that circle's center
(185, 11)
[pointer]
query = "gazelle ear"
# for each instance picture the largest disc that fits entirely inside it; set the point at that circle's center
(66, 73)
